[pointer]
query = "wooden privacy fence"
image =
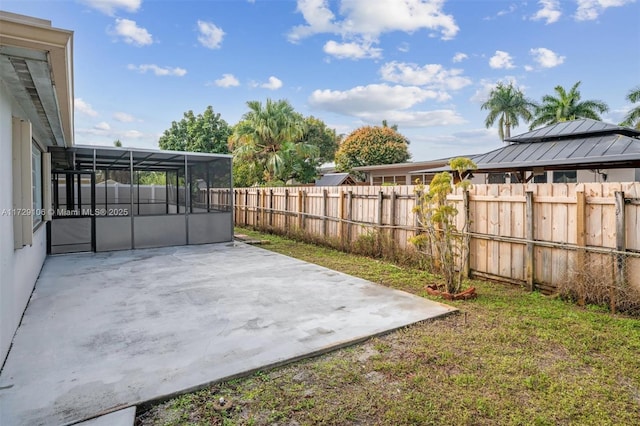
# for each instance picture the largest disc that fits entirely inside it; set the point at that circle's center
(540, 235)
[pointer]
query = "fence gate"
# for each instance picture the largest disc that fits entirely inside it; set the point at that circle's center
(73, 224)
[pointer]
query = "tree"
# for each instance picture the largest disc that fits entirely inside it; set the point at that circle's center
(117, 143)
(442, 240)
(386, 124)
(206, 132)
(567, 106)
(507, 104)
(368, 146)
(270, 139)
(317, 133)
(632, 119)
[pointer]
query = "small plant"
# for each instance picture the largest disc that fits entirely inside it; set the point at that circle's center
(441, 239)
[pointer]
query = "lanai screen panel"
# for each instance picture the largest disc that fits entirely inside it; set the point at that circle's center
(148, 198)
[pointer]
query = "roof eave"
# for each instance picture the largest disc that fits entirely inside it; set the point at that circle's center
(34, 34)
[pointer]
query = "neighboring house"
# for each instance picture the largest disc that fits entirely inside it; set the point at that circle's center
(581, 150)
(399, 173)
(58, 197)
(335, 179)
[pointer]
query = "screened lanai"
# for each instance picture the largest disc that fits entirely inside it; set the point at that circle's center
(109, 198)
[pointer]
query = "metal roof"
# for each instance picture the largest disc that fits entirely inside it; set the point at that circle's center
(607, 151)
(333, 179)
(572, 129)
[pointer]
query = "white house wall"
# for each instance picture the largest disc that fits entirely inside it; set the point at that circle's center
(19, 269)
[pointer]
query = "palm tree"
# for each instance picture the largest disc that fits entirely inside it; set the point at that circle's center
(507, 104)
(633, 116)
(265, 135)
(567, 106)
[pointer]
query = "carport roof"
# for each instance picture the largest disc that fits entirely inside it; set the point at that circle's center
(114, 158)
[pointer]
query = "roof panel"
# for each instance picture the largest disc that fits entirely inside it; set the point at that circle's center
(571, 129)
(618, 146)
(551, 151)
(590, 146)
(332, 179)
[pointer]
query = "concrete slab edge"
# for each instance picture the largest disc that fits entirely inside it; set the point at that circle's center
(122, 417)
(314, 354)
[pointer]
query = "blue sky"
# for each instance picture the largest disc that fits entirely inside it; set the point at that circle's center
(426, 65)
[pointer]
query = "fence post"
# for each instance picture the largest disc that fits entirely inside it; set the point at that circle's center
(417, 219)
(304, 209)
(465, 237)
(256, 208)
(581, 241)
(621, 246)
(260, 210)
(324, 212)
(380, 200)
(286, 210)
(530, 245)
(271, 208)
(246, 207)
(341, 217)
(349, 214)
(236, 208)
(392, 215)
(300, 210)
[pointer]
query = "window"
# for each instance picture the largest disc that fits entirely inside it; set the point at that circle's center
(496, 178)
(36, 184)
(540, 178)
(565, 176)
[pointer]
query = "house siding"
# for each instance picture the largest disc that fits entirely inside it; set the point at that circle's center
(19, 269)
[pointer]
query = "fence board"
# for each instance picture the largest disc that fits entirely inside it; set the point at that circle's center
(497, 222)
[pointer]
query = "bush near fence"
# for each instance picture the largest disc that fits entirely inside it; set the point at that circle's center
(582, 240)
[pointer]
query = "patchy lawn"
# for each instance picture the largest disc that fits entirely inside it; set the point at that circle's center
(509, 357)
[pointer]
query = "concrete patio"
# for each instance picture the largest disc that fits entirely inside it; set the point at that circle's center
(112, 330)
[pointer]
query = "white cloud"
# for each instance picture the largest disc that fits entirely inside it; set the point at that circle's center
(546, 58)
(274, 83)
(430, 75)
(103, 125)
(485, 86)
(210, 35)
(132, 134)
(318, 17)
(157, 70)
(352, 50)
(83, 107)
(501, 60)
(478, 140)
(132, 33)
(512, 8)
(123, 117)
(550, 11)
(528, 68)
(404, 47)
(369, 19)
(439, 117)
(589, 10)
(227, 80)
(459, 57)
(362, 100)
(109, 7)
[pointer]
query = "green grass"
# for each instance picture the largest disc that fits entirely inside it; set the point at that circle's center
(509, 358)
